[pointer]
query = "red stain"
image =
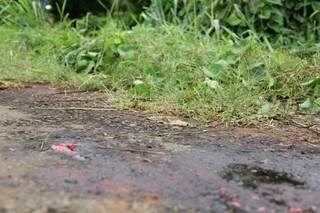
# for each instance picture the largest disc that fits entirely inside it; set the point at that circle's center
(72, 147)
(68, 149)
(152, 199)
(236, 202)
(296, 210)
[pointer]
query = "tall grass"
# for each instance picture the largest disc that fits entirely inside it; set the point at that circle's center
(25, 13)
(280, 21)
(202, 59)
(283, 21)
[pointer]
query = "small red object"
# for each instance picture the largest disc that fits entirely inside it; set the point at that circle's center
(236, 202)
(72, 146)
(69, 149)
(296, 210)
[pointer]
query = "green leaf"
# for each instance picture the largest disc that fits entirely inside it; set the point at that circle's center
(92, 54)
(277, 16)
(82, 64)
(298, 17)
(111, 42)
(125, 51)
(265, 14)
(311, 105)
(258, 70)
(271, 82)
(316, 6)
(143, 90)
(312, 83)
(265, 109)
(138, 82)
(212, 84)
(277, 2)
(274, 26)
(215, 71)
(306, 104)
(233, 20)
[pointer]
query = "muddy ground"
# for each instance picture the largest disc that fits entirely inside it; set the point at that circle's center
(128, 161)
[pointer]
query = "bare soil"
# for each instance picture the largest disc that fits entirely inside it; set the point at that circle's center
(128, 161)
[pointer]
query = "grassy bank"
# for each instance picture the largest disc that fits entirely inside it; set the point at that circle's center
(168, 69)
(232, 70)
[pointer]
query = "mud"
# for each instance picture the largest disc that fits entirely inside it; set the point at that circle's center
(252, 177)
(127, 162)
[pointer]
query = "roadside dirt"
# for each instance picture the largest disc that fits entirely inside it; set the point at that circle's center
(127, 161)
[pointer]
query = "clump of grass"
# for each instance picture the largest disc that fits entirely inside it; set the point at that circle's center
(166, 67)
(234, 81)
(30, 56)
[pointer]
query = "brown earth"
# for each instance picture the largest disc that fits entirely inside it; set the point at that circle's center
(127, 161)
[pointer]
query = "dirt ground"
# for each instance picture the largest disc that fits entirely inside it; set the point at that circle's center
(127, 161)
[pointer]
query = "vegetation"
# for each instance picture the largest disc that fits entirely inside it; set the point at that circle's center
(282, 21)
(222, 60)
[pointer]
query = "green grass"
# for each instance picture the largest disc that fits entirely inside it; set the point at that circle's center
(166, 69)
(175, 63)
(28, 55)
(21, 64)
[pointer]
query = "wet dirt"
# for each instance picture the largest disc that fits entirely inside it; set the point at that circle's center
(253, 176)
(127, 162)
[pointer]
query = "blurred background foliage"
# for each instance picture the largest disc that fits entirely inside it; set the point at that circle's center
(280, 21)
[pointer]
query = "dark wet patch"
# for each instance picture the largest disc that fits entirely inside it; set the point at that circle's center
(252, 176)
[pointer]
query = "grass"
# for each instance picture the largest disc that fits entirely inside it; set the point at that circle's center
(20, 64)
(167, 69)
(162, 67)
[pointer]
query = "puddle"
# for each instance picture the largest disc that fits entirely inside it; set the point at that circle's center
(252, 176)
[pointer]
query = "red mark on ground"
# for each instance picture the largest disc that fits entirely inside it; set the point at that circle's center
(152, 199)
(69, 149)
(261, 209)
(296, 210)
(236, 202)
(72, 147)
